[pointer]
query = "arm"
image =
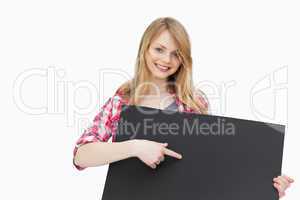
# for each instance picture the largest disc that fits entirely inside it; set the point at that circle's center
(101, 153)
(93, 142)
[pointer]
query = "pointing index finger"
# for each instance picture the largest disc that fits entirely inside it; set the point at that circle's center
(171, 153)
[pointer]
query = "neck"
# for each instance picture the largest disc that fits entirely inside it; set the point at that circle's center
(160, 86)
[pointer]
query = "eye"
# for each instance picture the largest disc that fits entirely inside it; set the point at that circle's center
(160, 50)
(175, 54)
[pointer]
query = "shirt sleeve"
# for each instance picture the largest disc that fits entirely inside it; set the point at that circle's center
(203, 100)
(100, 130)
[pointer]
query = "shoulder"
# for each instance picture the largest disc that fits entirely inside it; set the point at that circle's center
(202, 98)
(114, 104)
(111, 108)
(115, 100)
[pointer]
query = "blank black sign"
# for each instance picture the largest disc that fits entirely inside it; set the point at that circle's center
(223, 158)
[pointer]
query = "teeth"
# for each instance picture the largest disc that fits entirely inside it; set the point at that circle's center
(162, 67)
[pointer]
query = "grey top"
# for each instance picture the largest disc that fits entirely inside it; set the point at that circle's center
(173, 106)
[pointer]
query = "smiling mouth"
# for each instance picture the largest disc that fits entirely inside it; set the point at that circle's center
(161, 67)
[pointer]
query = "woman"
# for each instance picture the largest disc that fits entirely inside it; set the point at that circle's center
(163, 80)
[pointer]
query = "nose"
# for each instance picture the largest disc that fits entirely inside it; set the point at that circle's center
(166, 58)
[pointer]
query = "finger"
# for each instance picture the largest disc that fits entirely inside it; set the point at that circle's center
(165, 144)
(278, 187)
(153, 166)
(171, 153)
(161, 158)
(276, 180)
(285, 180)
(282, 182)
(157, 162)
(289, 178)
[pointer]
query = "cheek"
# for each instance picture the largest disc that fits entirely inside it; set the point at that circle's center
(176, 64)
(174, 69)
(149, 59)
(153, 57)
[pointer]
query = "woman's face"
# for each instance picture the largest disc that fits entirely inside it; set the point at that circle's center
(161, 58)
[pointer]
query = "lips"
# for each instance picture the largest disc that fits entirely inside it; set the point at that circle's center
(161, 67)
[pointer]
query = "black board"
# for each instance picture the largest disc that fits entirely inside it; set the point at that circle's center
(223, 158)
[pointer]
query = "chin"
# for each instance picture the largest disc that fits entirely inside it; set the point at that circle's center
(160, 77)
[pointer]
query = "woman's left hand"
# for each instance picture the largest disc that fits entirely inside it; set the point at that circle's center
(281, 183)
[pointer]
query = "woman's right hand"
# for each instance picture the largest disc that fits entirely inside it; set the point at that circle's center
(152, 153)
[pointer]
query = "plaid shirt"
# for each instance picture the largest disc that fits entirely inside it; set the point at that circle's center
(105, 122)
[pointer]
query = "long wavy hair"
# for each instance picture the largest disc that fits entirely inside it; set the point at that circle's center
(180, 82)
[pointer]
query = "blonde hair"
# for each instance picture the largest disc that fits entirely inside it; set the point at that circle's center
(180, 82)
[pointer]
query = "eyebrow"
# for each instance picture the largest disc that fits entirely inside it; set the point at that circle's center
(166, 47)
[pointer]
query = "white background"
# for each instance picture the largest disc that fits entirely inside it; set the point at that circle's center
(253, 46)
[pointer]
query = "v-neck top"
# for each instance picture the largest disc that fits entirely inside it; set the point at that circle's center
(173, 106)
